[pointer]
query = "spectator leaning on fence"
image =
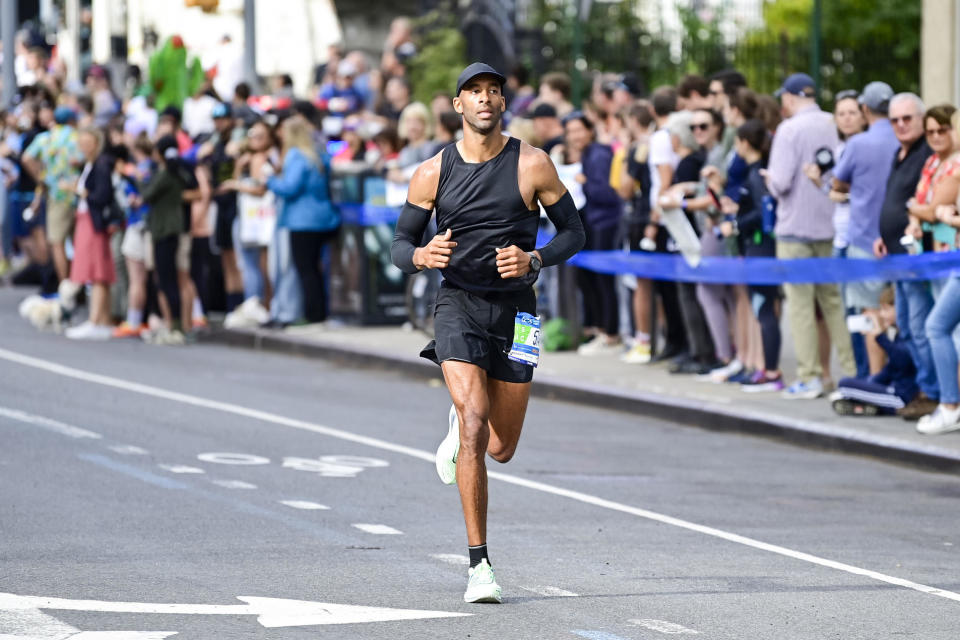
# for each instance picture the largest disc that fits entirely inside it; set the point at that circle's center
(914, 298)
(804, 229)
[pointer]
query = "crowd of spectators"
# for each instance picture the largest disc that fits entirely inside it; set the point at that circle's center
(159, 218)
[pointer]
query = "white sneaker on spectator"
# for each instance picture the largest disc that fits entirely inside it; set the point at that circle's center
(639, 353)
(804, 390)
(599, 346)
(942, 420)
(89, 331)
(720, 374)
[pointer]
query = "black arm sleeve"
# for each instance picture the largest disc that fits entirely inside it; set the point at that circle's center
(410, 227)
(570, 237)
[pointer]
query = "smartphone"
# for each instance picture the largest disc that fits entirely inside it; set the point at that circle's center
(860, 323)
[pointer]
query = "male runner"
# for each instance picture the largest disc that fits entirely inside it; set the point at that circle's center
(485, 190)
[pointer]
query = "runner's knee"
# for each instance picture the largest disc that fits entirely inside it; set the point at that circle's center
(502, 454)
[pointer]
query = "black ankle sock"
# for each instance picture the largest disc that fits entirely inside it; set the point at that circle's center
(477, 554)
(234, 300)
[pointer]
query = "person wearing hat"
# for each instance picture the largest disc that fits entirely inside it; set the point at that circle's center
(860, 178)
(54, 159)
(340, 96)
(804, 229)
(486, 190)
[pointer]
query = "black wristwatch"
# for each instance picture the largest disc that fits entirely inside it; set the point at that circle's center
(535, 264)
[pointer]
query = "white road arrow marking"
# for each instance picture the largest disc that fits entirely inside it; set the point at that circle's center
(32, 624)
(378, 529)
(304, 504)
(270, 612)
(663, 626)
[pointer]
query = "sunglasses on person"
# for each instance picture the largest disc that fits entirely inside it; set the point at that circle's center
(702, 126)
(941, 131)
(904, 119)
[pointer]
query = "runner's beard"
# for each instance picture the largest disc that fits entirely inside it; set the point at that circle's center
(484, 127)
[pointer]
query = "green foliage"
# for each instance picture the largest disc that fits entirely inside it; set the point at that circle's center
(440, 57)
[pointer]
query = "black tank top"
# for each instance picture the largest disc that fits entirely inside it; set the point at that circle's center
(481, 204)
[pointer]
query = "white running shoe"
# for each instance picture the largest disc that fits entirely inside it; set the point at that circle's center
(89, 331)
(599, 346)
(482, 585)
(942, 420)
(721, 374)
(448, 450)
(639, 353)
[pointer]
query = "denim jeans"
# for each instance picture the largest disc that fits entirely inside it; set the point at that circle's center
(914, 302)
(248, 261)
(287, 303)
(941, 323)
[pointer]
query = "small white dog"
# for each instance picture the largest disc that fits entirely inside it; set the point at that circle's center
(45, 313)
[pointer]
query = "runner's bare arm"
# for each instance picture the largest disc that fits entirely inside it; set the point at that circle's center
(539, 182)
(406, 253)
(560, 209)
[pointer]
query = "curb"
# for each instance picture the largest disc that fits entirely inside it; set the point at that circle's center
(704, 415)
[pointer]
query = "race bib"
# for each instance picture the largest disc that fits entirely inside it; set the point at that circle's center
(526, 339)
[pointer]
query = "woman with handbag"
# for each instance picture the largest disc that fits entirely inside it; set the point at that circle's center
(96, 218)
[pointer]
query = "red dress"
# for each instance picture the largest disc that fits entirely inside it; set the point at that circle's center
(92, 258)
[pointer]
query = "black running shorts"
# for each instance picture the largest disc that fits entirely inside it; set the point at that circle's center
(478, 328)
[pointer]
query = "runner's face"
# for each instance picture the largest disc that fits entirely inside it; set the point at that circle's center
(481, 104)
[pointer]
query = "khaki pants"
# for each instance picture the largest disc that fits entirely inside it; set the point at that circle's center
(801, 302)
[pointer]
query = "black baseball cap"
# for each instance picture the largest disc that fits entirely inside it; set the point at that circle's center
(543, 110)
(478, 69)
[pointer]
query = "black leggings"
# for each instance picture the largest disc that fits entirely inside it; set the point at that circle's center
(764, 302)
(695, 323)
(307, 249)
(200, 269)
(599, 290)
(165, 271)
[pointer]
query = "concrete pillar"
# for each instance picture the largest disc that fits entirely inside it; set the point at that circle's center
(940, 52)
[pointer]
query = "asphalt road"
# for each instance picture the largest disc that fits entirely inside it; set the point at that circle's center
(133, 477)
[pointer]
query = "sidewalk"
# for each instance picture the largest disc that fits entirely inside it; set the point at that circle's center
(645, 390)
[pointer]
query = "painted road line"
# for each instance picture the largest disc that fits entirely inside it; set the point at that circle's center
(377, 443)
(128, 450)
(180, 468)
(140, 474)
(553, 592)
(33, 624)
(378, 529)
(233, 458)
(234, 484)
(270, 612)
(49, 424)
(596, 635)
(663, 626)
(305, 505)
(452, 558)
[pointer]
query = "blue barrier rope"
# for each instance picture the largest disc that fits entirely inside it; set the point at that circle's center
(768, 271)
(757, 271)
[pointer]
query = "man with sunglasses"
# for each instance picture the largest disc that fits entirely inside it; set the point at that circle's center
(914, 300)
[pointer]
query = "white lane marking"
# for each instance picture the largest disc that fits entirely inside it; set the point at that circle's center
(129, 450)
(553, 592)
(30, 623)
(234, 484)
(48, 423)
(663, 626)
(180, 468)
(322, 468)
(233, 458)
(123, 635)
(452, 558)
(378, 529)
(355, 461)
(305, 504)
(256, 414)
(270, 612)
